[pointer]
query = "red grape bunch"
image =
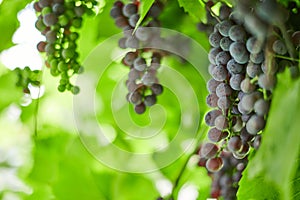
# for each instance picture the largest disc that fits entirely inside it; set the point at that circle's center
(243, 67)
(58, 21)
(142, 84)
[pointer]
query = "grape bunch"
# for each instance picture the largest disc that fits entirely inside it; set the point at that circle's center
(224, 181)
(243, 67)
(27, 77)
(142, 61)
(58, 21)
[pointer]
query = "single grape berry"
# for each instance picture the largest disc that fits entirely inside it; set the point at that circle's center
(234, 68)
(267, 81)
(211, 85)
(129, 9)
(255, 124)
(216, 135)
(261, 107)
(213, 52)
(239, 52)
(139, 64)
(211, 116)
(253, 69)
(257, 58)
(222, 58)
(223, 89)
(150, 100)
(214, 164)
(224, 103)
(235, 143)
(140, 109)
(156, 89)
(221, 122)
(247, 86)
(224, 27)
(237, 33)
(253, 45)
(208, 150)
(214, 39)
(50, 19)
(220, 73)
(279, 47)
(225, 43)
(235, 81)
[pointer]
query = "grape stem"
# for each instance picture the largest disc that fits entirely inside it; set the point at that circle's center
(287, 58)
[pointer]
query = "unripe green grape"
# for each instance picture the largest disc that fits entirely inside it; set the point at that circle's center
(62, 66)
(68, 53)
(77, 22)
(75, 89)
(54, 63)
(61, 88)
(63, 20)
(74, 36)
(79, 11)
(46, 10)
(54, 72)
(39, 24)
(49, 48)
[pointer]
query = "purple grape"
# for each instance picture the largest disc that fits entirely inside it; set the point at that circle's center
(129, 9)
(253, 45)
(50, 19)
(211, 116)
(261, 107)
(221, 122)
(135, 98)
(208, 150)
(213, 52)
(224, 27)
(220, 73)
(253, 70)
(223, 89)
(214, 39)
(279, 47)
(212, 100)
(267, 81)
(235, 81)
(150, 100)
(237, 33)
(247, 86)
(223, 103)
(222, 58)
(235, 143)
(134, 19)
(140, 109)
(234, 67)
(255, 124)
(216, 135)
(225, 43)
(239, 52)
(139, 64)
(214, 164)
(156, 89)
(211, 85)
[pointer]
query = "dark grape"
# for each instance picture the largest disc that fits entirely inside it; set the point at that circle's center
(225, 43)
(223, 89)
(58, 8)
(253, 45)
(235, 81)
(132, 42)
(261, 107)
(129, 9)
(249, 100)
(255, 124)
(234, 67)
(239, 52)
(267, 81)
(223, 103)
(279, 47)
(235, 143)
(213, 52)
(222, 58)
(50, 19)
(224, 11)
(247, 86)
(214, 39)
(140, 109)
(157, 89)
(211, 85)
(208, 150)
(253, 69)
(211, 116)
(245, 136)
(115, 12)
(134, 19)
(214, 164)
(150, 100)
(155, 9)
(212, 100)
(237, 33)
(221, 122)
(220, 73)
(257, 58)
(143, 33)
(215, 135)
(224, 27)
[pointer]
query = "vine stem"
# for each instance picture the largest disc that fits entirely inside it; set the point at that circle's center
(36, 111)
(183, 168)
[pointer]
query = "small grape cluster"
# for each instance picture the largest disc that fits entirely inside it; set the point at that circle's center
(57, 21)
(224, 181)
(143, 62)
(243, 69)
(27, 77)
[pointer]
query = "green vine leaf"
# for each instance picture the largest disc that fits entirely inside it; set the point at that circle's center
(280, 136)
(193, 7)
(145, 6)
